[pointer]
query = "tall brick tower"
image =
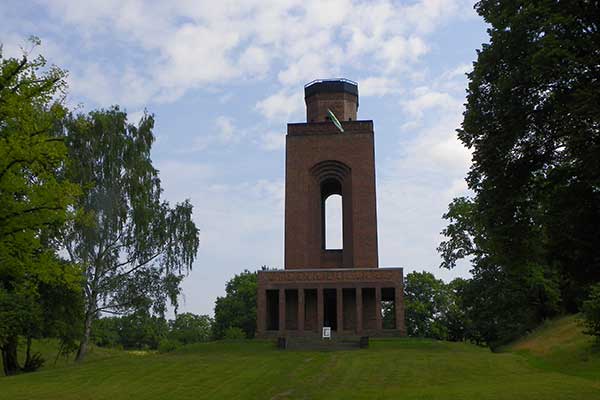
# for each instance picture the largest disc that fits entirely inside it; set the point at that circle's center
(322, 161)
(343, 289)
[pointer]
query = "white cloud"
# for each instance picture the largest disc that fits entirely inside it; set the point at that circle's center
(378, 86)
(93, 81)
(310, 66)
(424, 15)
(254, 61)
(425, 99)
(178, 46)
(281, 105)
(398, 52)
(226, 132)
(195, 55)
(273, 141)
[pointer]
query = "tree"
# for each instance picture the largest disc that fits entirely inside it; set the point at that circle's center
(134, 247)
(437, 310)
(37, 290)
(105, 332)
(188, 328)
(459, 326)
(426, 302)
(238, 308)
(141, 330)
(591, 312)
(532, 121)
(499, 303)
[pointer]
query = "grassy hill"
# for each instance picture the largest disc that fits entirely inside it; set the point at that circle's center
(559, 345)
(556, 362)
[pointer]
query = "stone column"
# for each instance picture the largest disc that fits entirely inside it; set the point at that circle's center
(378, 322)
(301, 309)
(340, 309)
(261, 311)
(399, 307)
(319, 310)
(359, 311)
(281, 310)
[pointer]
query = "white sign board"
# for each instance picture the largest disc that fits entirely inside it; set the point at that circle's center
(326, 332)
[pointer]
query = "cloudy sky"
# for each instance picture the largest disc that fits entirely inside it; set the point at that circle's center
(224, 77)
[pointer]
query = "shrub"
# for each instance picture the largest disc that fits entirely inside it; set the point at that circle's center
(234, 332)
(591, 312)
(168, 345)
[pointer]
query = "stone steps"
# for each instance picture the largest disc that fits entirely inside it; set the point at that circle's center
(318, 344)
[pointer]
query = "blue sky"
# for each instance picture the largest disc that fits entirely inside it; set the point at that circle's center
(224, 78)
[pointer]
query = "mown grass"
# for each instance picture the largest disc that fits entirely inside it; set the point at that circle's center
(389, 369)
(48, 348)
(559, 345)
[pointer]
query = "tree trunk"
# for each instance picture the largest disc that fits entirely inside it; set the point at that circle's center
(83, 346)
(9, 356)
(28, 352)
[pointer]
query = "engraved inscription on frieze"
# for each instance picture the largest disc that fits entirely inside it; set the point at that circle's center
(338, 276)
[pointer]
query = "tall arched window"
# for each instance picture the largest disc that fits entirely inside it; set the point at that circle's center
(332, 177)
(334, 233)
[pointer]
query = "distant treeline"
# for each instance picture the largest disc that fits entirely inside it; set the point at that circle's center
(144, 331)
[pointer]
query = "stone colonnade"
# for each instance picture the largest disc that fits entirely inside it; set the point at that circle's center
(302, 309)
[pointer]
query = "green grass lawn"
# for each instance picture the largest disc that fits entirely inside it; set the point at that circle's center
(390, 368)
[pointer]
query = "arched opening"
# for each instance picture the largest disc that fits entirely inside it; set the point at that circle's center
(334, 211)
(334, 233)
(332, 215)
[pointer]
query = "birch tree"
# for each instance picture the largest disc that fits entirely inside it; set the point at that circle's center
(134, 247)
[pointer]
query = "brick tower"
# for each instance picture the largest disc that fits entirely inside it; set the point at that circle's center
(344, 288)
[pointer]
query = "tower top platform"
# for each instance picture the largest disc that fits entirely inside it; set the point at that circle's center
(338, 95)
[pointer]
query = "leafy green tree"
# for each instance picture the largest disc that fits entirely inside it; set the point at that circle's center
(36, 289)
(437, 310)
(459, 326)
(105, 332)
(532, 122)
(134, 246)
(426, 301)
(190, 328)
(591, 312)
(238, 307)
(499, 303)
(141, 330)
